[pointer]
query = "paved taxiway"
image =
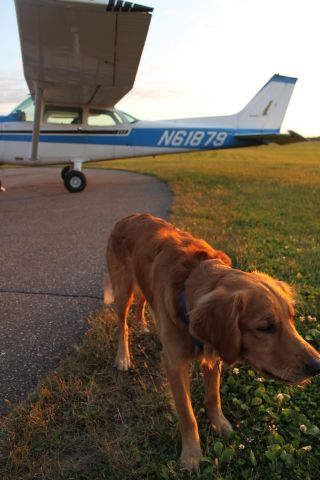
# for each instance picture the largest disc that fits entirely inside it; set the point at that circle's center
(52, 261)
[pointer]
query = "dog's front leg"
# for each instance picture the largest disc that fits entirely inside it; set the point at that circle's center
(211, 376)
(178, 376)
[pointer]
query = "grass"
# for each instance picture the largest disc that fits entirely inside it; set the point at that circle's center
(88, 421)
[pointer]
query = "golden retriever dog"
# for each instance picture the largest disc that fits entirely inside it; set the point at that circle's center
(203, 309)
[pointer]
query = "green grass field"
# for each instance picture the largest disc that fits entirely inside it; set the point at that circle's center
(88, 421)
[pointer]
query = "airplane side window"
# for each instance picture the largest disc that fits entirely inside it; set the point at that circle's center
(24, 112)
(62, 115)
(103, 118)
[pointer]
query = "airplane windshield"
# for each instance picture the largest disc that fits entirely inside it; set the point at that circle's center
(130, 118)
(24, 112)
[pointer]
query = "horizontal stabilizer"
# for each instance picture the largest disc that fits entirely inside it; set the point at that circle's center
(280, 138)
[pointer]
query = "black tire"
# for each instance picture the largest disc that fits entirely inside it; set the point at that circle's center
(64, 171)
(75, 181)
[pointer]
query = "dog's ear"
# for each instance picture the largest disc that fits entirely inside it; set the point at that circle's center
(215, 320)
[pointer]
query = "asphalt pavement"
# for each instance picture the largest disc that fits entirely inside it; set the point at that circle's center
(52, 263)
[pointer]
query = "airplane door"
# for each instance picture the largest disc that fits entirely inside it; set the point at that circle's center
(61, 134)
(102, 134)
(1, 142)
(16, 141)
(16, 131)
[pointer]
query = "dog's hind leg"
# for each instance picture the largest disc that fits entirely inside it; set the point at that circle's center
(108, 297)
(123, 297)
(211, 375)
(140, 307)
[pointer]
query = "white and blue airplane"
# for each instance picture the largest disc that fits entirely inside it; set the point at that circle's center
(80, 58)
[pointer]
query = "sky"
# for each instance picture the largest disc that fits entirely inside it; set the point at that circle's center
(206, 58)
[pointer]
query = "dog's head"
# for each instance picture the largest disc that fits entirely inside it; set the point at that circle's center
(249, 317)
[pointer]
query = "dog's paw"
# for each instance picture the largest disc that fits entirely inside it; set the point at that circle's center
(222, 426)
(191, 457)
(122, 363)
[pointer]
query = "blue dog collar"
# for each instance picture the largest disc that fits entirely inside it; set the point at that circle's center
(185, 317)
(184, 309)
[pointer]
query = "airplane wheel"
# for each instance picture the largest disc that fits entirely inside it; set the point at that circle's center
(64, 171)
(75, 181)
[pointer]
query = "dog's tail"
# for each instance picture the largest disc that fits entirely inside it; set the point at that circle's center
(108, 297)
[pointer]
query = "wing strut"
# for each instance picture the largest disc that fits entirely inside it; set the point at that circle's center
(36, 123)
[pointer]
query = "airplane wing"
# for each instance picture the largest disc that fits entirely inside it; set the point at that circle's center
(82, 51)
(280, 138)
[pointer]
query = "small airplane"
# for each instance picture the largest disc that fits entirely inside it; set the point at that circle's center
(80, 58)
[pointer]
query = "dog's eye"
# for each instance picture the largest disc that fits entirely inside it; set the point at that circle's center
(271, 328)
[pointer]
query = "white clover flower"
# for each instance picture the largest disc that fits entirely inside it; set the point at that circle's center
(236, 371)
(302, 318)
(280, 397)
(259, 379)
(241, 446)
(307, 448)
(303, 428)
(272, 428)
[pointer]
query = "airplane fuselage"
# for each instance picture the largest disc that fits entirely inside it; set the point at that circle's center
(38, 133)
(65, 143)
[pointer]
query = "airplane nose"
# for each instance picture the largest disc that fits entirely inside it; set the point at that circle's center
(313, 367)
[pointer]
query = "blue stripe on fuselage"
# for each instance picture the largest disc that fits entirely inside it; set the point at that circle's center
(177, 138)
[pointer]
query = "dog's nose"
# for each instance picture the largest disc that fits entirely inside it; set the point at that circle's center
(313, 366)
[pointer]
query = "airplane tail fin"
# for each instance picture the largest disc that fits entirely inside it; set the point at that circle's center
(267, 109)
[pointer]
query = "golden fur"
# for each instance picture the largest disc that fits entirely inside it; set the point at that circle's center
(238, 316)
